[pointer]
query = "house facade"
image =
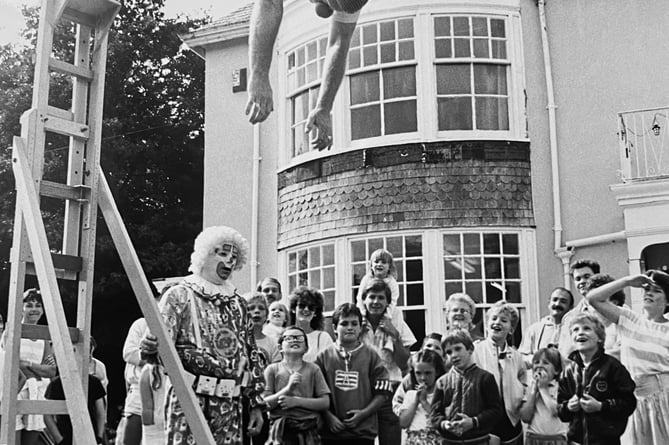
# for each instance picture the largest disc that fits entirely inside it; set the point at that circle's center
(485, 144)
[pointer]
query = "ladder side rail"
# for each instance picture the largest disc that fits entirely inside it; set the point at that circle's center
(73, 227)
(12, 334)
(27, 201)
(147, 303)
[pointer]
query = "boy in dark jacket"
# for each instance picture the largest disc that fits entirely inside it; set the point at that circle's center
(596, 393)
(466, 403)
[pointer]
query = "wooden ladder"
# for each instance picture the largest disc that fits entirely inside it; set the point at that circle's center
(85, 189)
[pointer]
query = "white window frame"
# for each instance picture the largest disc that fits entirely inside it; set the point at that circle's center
(426, 112)
(433, 271)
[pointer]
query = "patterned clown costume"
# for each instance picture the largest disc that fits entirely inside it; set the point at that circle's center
(213, 335)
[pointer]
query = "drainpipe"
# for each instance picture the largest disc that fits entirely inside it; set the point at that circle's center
(254, 205)
(552, 130)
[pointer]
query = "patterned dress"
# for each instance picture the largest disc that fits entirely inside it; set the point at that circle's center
(222, 347)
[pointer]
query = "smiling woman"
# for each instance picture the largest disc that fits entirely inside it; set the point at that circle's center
(306, 312)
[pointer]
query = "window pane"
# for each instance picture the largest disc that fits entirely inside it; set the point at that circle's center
(292, 262)
(489, 79)
(451, 244)
(453, 79)
(493, 268)
(491, 243)
(291, 60)
(497, 28)
(355, 40)
(358, 249)
(452, 268)
(472, 243)
(442, 26)
(472, 268)
(387, 31)
(475, 290)
(462, 48)
(511, 268)
(399, 267)
(498, 49)
(442, 48)
(388, 52)
(400, 117)
(322, 46)
(455, 113)
(415, 295)
(364, 88)
(301, 76)
(314, 257)
(416, 321)
(312, 51)
(414, 270)
(481, 48)
(328, 254)
(414, 246)
(405, 28)
(300, 57)
(300, 140)
(302, 260)
(461, 26)
(315, 279)
(492, 113)
(375, 244)
(354, 59)
(292, 283)
(312, 71)
(365, 122)
(399, 82)
(359, 271)
(369, 34)
(394, 246)
(302, 279)
(370, 55)
(513, 291)
(453, 287)
(406, 50)
(493, 293)
(329, 300)
(479, 26)
(328, 278)
(510, 243)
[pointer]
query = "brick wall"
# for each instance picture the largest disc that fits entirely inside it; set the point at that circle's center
(414, 186)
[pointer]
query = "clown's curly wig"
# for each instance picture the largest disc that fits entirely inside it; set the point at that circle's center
(216, 236)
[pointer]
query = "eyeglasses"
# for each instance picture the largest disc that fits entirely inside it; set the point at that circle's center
(309, 307)
(297, 338)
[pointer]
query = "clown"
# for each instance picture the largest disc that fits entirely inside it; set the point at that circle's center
(213, 334)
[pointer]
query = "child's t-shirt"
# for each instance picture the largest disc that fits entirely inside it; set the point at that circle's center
(269, 347)
(354, 378)
(55, 392)
(313, 385)
(545, 420)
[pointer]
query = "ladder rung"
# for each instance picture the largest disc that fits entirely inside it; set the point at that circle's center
(68, 68)
(68, 128)
(41, 332)
(70, 263)
(59, 112)
(60, 273)
(41, 407)
(63, 191)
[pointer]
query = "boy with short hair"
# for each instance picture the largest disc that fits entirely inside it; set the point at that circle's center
(357, 379)
(466, 403)
(596, 392)
(505, 363)
(295, 391)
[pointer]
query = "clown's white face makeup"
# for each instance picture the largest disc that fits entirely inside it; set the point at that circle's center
(219, 265)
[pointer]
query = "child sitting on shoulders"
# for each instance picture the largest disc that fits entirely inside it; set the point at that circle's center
(495, 355)
(466, 403)
(596, 393)
(358, 381)
(539, 409)
(295, 392)
(277, 319)
(413, 406)
(382, 267)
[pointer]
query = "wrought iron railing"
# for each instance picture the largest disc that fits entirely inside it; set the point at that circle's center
(644, 143)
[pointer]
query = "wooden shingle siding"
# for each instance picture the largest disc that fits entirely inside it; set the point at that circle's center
(416, 186)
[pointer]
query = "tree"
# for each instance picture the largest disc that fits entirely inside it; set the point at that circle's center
(152, 154)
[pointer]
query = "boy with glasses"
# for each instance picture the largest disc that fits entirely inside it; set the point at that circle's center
(295, 392)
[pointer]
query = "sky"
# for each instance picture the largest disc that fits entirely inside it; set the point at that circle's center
(11, 21)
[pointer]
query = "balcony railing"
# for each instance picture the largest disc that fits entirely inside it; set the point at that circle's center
(644, 143)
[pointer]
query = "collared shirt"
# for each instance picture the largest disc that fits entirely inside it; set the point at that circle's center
(542, 334)
(383, 344)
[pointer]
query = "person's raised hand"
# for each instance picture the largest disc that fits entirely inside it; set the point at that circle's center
(319, 127)
(259, 104)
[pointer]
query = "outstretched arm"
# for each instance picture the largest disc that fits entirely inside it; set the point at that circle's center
(265, 22)
(334, 69)
(599, 297)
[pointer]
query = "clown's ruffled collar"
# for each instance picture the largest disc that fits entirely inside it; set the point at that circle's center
(209, 290)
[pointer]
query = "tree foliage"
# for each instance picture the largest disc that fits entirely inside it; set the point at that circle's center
(152, 151)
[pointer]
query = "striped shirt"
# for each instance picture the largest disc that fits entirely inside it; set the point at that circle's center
(644, 346)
